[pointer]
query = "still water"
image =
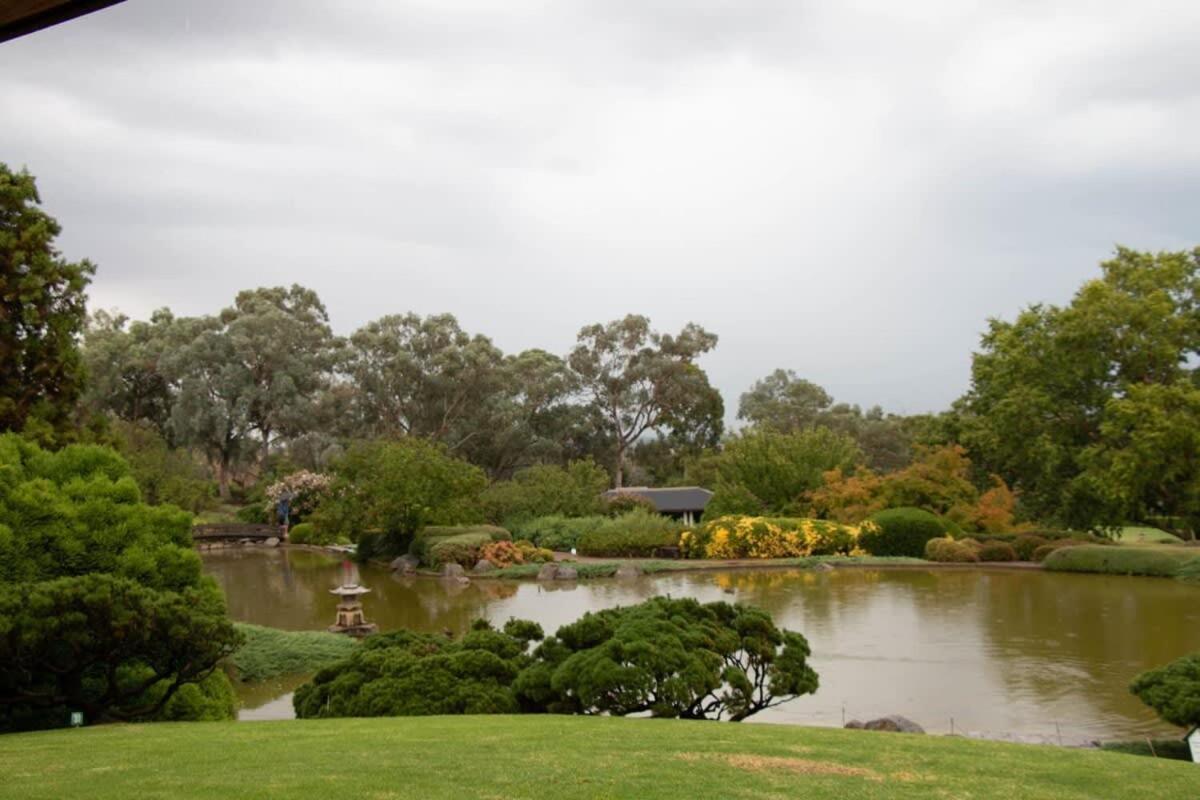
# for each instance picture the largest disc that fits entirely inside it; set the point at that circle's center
(1001, 652)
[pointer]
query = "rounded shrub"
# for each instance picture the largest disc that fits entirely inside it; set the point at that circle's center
(636, 534)
(621, 503)
(997, 551)
(304, 533)
(900, 532)
(1026, 545)
(1040, 553)
(947, 550)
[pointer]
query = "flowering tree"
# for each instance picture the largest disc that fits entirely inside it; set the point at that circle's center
(303, 489)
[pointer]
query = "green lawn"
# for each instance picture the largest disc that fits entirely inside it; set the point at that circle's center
(1141, 534)
(558, 757)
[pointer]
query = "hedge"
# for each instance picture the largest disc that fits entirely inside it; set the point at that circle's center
(901, 532)
(1157, 562)
(423, 542)
(997, 551)
(634, 535)
(464, 549)
(948, 550)
(556, 532)
(771, 537)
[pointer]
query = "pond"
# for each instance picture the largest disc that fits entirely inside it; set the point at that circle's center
(1000, 652)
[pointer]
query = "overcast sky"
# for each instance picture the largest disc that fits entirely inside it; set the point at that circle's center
(845, 188)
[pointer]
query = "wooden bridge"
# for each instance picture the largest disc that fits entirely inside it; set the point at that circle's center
(236, 532)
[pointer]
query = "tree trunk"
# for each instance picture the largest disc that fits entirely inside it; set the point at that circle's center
(223, 479)
(619, 472)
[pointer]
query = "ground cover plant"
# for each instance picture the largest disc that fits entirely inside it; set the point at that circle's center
(556, 757)
(272, 653)
(1173, 690)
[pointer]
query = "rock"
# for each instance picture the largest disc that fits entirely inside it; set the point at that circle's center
(565, 573)
(405, 564)
(452, 571)
(272, 541)
(462, 580)
(548, 572)
(483, 565)
(628, 570)
(823, 567)
(894, 723)
(855, 725)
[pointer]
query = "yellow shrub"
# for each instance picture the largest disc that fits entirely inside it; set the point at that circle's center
(768, 537)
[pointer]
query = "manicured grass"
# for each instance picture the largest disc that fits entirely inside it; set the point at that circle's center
(1141, 534)
(1159, 561)
(606, 569)
(271, 653)
(558, 757)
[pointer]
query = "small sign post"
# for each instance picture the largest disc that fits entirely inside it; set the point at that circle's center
(76, 719)
(1193, 740)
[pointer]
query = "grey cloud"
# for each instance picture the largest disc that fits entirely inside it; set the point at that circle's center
(848, 189)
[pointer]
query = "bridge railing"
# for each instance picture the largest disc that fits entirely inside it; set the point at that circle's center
(236, 531)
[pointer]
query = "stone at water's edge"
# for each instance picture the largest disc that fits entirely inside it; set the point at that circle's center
(823, 567)
(566, 573)
(548, 572)
(452, 571)
(405, 564)
(272, 541)
(628, 571)
(483, 565)
(893, 723)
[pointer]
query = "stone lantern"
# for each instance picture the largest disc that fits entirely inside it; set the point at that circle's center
(350, 617)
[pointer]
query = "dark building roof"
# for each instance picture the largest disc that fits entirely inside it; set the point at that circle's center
(19, 17)
(674, 499)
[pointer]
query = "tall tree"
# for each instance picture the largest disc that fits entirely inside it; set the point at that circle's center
(422, 376)
(41, 310)
(255, 372)
(639, 380)
(783, 401)
(125, 374)
(1046, 388)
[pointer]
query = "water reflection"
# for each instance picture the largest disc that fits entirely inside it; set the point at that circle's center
(996, 650)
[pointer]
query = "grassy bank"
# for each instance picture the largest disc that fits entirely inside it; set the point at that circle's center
(606, 569)
(558, 757)
(272, 653)
(1162, 561)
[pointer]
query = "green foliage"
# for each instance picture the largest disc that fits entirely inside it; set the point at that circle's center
(210, 699)
(125, 374)
(777, 469)
(901, 532)
(165, 475)
(1173, 691)
(671, 658)
(733, 499)
(636, 534)
(41, 311)
(462, 538)
(1089, 410)
(309, 533)
(399, 487)
(544, 490)
(254, 514)
(463, 549)
(78, 511)
(1025, 545)
(638, 380)
(950, 550)
(997, 551)
(1189, 571)
(271, 653)
(557, 532)
(417, 674)
(1125, 560)
(107, 646)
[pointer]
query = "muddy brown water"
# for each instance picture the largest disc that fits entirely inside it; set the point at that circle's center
(1029, 654)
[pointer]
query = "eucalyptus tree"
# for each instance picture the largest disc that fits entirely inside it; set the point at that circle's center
(783, 401)
(421, 376)
(254, 373)
(41, 310)
(124, 362)
(637, 380)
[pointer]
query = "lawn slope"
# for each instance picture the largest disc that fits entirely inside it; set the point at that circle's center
(557, 757)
